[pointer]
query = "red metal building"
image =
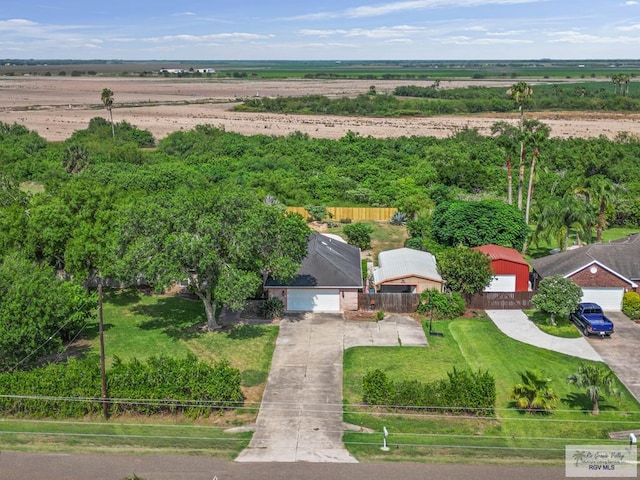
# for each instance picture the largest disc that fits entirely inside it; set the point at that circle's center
(510, 268)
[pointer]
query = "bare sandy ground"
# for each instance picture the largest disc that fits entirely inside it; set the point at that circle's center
(55, 107)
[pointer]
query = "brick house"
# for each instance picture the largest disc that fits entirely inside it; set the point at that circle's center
(604, 271)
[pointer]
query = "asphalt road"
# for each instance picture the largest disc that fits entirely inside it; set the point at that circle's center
(34, 466)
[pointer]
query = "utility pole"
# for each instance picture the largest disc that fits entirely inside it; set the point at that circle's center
(103, 370)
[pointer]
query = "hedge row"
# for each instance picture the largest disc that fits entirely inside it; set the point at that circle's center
(159, 385)
(462, 392)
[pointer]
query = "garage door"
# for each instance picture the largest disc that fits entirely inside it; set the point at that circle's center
(313, 300)
(502, 283)
(607, 298)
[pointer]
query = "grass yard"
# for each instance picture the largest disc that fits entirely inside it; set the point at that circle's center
(510, 437)
(141, 326)
(384, 237)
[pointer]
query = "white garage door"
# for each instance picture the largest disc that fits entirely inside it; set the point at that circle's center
(313, 300)
(607, 298)
(502, 283)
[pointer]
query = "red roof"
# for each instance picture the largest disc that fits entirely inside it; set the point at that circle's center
(496, 252)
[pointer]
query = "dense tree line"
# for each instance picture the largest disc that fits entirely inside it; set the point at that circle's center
(96, 196)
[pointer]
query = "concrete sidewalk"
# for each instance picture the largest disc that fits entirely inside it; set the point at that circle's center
(517, 325)
(300, 418)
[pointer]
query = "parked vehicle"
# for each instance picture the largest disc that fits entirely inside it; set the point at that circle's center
(590, 318)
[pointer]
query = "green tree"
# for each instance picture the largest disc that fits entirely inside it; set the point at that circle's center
(507, 136)
(478, 223)
(534, 393)
(536, 133)
(561, 216)
(107, 101)
(520, 93)
(358, 234)
(75, 158)
(38, 313)
(465, 270)
(222, 243)
(601, 190)
(557, 296)
(595, 379)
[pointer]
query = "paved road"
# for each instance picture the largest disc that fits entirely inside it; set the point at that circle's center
(300, 418)
(29, 466)
(621, 351)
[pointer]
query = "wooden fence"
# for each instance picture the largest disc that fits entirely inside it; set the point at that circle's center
(501, 301)
(355, 214)
(408, 302)
(389, 302)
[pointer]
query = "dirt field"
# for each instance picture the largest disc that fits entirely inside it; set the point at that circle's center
(57, 106)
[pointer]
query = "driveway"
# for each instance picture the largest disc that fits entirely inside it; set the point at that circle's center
(621, 351)
(300, 418)
(515, 324)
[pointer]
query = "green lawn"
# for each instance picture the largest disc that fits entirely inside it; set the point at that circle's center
(140, 326)
(509, 437)
(384, 237)
(564, 327)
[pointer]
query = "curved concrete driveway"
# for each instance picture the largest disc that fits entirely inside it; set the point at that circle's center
(517, 325)
(300, 418)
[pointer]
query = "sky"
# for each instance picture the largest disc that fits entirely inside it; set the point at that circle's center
(320, 30)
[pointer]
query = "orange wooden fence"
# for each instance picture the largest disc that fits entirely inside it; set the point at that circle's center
(355, 214)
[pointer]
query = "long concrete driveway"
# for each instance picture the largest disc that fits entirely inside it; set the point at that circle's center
(300, 418)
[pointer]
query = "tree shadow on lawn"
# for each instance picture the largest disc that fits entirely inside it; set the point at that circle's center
(582, 402)
(176, 317)
(123, 297)
(245, 332)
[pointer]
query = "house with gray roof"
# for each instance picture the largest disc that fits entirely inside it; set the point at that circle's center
(328, 279)
(405, 270)
(604, 271)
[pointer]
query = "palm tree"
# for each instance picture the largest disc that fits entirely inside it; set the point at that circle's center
(603, 191)
(107, 101)
(75, 158)
(595, 379)
(536, 133)
(506, 136)
(520, 93)
(559, 217)
(534, 393)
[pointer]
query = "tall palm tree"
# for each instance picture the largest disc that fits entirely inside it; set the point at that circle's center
(107, 101)
(595, 379)
(534, 394)
(506, 136)
(520, 93)
(603, 191)
(536, 133)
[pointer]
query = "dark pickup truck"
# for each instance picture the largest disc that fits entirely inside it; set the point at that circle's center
(590, 318)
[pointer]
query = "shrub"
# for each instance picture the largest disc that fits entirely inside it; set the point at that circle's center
(358, 234)
(441, 305)
(379, 315)
(631, 305)
(414, 242)
(377, 388)
(398, 218)
(271, 308)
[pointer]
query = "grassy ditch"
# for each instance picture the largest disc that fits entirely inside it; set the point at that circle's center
(510, 436)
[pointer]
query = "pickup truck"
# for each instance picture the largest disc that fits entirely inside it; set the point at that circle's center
(590, 318)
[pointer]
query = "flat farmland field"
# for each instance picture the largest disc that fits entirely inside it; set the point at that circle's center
(55, 107)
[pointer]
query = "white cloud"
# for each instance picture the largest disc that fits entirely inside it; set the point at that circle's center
(380, 32)
(395, 7)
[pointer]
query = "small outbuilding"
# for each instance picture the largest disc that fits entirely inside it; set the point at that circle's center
(511, 270)
(328, 279)
(405, 270)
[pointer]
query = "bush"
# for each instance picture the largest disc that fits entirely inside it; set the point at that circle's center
(271, 308)
(359, 235)
(398, 218)
(462, 392)
(379, 315)
(441, 305)
(631, 305)
(377, 388)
